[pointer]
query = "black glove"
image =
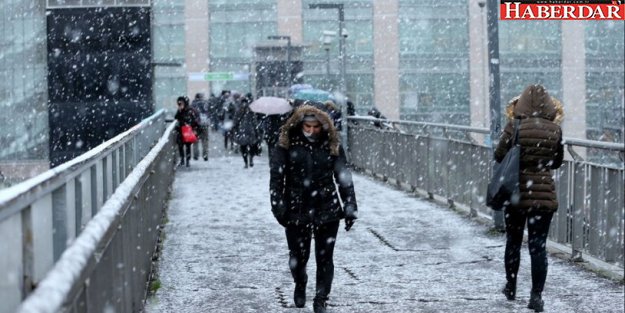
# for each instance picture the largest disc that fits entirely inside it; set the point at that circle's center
(279, 212)
(351, 215)
(282, 221)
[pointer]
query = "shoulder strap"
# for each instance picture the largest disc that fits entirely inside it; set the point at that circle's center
(515, 136)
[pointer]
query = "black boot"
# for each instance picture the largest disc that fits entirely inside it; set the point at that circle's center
(251, 161)
(536, 302)
(509, 291)
(188, 159)
(299, 295)
(319, 305)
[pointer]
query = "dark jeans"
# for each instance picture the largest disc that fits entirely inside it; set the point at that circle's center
(181, 151)
(298, 238)
(247, 152)
(537, 229)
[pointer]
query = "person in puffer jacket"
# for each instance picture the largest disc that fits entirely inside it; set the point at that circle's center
(307, 166)
(540, 138)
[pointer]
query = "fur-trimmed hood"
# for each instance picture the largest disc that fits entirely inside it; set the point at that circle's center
(535, 101)
(294, 124)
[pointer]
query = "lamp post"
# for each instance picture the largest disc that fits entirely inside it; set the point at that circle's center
(494, 87)
(342, 35)
(288, 54)
(328, 37)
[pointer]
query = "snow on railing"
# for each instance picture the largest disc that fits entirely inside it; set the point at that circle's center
(43, 215)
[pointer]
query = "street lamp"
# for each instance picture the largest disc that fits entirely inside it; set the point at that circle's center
(327, 39)
(342, 35)
(288, 54)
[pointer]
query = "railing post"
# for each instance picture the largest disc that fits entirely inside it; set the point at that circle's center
(577, 212)
(42, 234)
(59, 221)
(11, 289)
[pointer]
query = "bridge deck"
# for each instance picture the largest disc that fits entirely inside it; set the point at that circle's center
(223, 252)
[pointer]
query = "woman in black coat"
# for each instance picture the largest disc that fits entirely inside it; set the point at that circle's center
(185, 116)
(305, 165)
(540, 138)
(246, 132)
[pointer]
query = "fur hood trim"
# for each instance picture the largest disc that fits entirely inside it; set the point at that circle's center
(294, 124)
(535, 101)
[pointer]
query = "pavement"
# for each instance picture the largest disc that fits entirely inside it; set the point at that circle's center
(224, 252)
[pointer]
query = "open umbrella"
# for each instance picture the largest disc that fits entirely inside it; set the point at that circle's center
(313, 95)
(297, 87)
(270, 105)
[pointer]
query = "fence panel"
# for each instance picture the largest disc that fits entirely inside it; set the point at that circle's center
(441, 160)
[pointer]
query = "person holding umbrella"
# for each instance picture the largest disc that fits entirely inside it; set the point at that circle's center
(307, 166)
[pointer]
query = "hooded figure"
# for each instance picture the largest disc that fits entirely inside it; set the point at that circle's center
(246, 132)
(306, 167)
(540, 138)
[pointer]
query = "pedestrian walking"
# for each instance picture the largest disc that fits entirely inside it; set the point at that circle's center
(200, 105)
(540, 138)
(271, 130)
(305, 166)
(246, 132)
(185, 116)
(335, 114)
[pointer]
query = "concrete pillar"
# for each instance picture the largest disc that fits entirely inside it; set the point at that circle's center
(574, 79)
(290, 20)
(478, 67)
(386, 57)
(196, 44)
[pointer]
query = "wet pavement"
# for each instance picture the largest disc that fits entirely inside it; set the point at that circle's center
(224, 252)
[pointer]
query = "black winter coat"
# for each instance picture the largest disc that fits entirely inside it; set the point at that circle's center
(246, 127)
(305, 176)
(186, 116)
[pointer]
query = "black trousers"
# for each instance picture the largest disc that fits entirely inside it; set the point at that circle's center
(537, 229)
(247, 152)
(298, 238)
(181, 150)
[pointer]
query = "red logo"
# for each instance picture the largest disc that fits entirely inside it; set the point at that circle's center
(562, 10)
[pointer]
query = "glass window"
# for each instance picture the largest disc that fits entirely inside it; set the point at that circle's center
(605, 84)
(168, 36)
(23, 89)
(358, 49)
(434, 61)
(234, 33)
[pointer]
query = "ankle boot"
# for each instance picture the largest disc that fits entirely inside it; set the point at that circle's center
(509, 291)
(319, 305)
(536, 302)
(251, 161)
(188, 159)
(299, 295)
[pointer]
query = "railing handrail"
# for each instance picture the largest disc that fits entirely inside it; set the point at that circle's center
(71, 268)
(17, 197)
(481, 130)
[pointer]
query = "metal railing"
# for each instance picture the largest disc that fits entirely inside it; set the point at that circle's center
(60, 229)
(447, 161)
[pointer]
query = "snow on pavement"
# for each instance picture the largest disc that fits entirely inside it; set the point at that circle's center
(224, 252)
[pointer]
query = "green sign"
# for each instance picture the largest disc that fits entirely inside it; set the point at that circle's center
(218, 76)
(212, 76)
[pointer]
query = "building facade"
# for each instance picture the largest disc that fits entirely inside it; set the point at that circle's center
(412, 59)
(426, 59)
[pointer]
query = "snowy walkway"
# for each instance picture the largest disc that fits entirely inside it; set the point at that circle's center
(223, 252)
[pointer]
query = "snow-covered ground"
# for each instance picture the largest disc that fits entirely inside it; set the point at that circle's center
(224, 252)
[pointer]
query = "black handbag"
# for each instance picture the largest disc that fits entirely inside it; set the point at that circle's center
(503, 188)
